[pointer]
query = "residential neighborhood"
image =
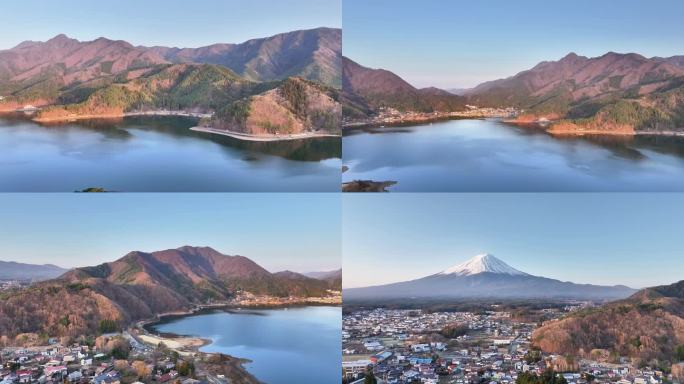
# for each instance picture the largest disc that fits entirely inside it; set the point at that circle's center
(415, 346)
(392, 116)
(107, 359)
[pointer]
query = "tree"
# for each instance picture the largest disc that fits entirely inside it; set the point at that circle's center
(186, 368)
(679, 356)
(369, 377)
(454, 330)
(548, 377)
(533, 356)
(141, 369)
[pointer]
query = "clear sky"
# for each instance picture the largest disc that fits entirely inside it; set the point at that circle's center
(631, 239)
(463, 43)
(178, 23)
(299, 232)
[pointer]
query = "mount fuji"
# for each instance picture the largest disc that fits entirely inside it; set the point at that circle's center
(487, 277)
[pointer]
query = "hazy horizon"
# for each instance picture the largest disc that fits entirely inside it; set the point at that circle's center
(602, 239)
(171, 23)
(227, 253)
(463, 44)
(278, 231)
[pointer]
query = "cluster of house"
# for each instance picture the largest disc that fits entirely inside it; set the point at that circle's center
(11, 284)
(388, 115)
(51, 364)
(405, 347)
(72, 364)
(250, 299)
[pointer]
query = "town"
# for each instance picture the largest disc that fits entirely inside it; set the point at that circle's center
(7, 284)
(392, 116)
(400, 346)
(134, 355)
(111, 358)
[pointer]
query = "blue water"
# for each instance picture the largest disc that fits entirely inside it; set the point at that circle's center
(491, 156)
(157, 155)
(294, 345)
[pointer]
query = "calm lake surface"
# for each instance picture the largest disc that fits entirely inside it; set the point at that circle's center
(491, 156)
(293, 345)
(157, 154)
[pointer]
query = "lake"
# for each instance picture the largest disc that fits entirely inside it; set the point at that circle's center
(286, 345)
(491, 156)
(157, 154)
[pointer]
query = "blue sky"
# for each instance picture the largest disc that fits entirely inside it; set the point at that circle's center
(631, 239)
(163, 22)
(463, 43)
(299, 232)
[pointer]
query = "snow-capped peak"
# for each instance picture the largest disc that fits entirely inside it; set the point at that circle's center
(482, 263)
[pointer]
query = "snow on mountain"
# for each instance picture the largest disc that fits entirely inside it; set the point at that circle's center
(482, 263)
(486, 277)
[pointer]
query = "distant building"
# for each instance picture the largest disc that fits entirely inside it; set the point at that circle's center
(353, 368)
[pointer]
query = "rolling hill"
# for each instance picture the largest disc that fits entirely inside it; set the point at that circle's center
(138, 286)
(486, 277)
(34, 70)
(192, 87)
(334, 278)
(38, 71)
(614, 92)
(10, 270)
(647, 327)
(313, 54)
(366, 90)
(294, 105)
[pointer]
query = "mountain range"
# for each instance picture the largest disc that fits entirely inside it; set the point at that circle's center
(292, 76)
(141, 285)
(613, 93)
(486, 277)
(10, 270)
(647, 327)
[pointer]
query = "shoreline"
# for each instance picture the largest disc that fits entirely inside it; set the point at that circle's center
(251, 137)
(186, 345)
(530, 124)
(615, 133)
(547, 127)
(145, 324)
(409, 122)
(120, 115)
